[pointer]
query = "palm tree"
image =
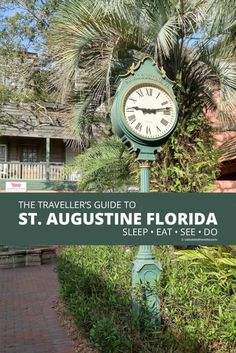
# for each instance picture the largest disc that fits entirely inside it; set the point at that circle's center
(94, 42)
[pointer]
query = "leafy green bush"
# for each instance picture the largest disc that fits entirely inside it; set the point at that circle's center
(198, 313)
(219, 262)
(196, 301)
(188, 162)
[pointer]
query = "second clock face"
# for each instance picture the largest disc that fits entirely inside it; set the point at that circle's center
(149, 111)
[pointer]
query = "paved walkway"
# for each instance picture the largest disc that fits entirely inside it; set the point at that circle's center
(28, 322)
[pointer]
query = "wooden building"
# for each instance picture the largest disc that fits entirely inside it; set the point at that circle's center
(34, 147)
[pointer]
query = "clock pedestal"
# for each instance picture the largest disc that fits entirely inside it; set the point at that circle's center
(146, 269)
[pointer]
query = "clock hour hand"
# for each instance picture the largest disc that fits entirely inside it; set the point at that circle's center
(148, 111)
(144, 110)
(136, 108)
(153, 111)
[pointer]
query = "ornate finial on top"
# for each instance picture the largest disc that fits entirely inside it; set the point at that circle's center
(132, 69)
(163, 73)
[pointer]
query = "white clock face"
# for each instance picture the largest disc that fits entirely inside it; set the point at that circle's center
(150, 112)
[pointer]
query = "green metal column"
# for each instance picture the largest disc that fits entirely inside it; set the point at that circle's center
(146, 269)
(144, 177)
(145, 251)
(48, 158)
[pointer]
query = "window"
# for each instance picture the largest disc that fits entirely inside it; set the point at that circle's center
(3, 153)
(29, 153)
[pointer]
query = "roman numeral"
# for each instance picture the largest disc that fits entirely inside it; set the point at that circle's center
(149, 91)
(130, 110)
(164, 122)
(167, 112)
(158, 128)
(132, 118)
(138, 127)
(140, 93)
(132, 99)
(164, 103)
(158, 95)
(148, 130)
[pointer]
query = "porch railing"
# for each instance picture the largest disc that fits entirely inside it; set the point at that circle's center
(35, 171)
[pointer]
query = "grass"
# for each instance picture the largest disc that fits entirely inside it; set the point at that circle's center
(199, 313)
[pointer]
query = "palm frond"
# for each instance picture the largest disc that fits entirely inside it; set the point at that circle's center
(94, 42)
(103, 166)
(228, 150)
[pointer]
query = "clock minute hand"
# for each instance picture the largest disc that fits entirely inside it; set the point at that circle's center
(162, 109)
(151, 111)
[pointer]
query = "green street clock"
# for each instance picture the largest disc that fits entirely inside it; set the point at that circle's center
(149, 111)
(144, 112)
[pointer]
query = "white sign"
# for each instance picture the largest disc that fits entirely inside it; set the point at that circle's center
(16, 186)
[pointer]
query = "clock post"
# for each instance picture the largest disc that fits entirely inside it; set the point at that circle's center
(145, 268)
(144, 114)
(145, 176)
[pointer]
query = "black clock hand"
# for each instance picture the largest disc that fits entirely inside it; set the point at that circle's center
(148, 111)
(144, 110)
(151, 111)
(136, 108)
(166, 109)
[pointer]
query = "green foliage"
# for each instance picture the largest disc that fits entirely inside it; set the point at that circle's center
(204, 307)
(106, 165)
(191, 40)
(24, 27)
(40, 87)
(105, 335)
(91, 293)
(34, 89)
(188, 162)
(198, 312)
(5, 93)
(187, 38)
(219, 262)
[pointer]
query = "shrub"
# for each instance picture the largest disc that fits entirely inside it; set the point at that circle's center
(198, 313)
(188, 162)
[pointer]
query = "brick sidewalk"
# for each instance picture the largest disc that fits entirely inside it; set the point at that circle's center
(28, 322)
